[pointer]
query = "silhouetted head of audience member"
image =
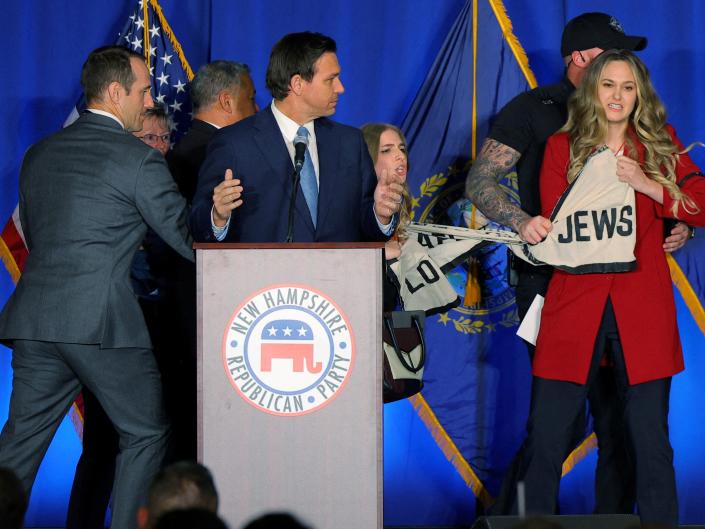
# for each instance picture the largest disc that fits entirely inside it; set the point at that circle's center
(183, 485)
(537, 522)
(13, 500)
(190, 519)
(275, 520)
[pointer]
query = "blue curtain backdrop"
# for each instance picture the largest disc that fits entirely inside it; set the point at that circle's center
(386, 50)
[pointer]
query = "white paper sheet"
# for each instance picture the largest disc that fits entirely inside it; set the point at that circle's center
(529, 327)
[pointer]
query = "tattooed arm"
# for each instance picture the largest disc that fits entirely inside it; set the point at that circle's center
(482, 188)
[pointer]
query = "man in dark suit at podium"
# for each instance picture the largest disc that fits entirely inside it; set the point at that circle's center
(339, 198)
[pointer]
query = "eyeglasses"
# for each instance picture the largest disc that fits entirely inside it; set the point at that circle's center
(153, 138)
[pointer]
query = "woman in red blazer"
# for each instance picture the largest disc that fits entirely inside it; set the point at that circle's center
(628, 317)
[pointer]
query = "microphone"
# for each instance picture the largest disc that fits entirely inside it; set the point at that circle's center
(300, 145)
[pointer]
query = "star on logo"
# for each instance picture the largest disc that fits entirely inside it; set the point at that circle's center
(137, 44)
(163, 79)
(287, 331)
(167, 59)
(154, 31)
(179, 87)
(302, 331)
(272, 331)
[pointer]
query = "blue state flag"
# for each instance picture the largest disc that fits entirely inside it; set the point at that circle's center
(477, 377)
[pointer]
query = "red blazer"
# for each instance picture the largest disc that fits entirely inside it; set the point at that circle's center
(642, 299)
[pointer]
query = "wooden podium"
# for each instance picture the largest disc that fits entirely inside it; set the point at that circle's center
(289, 380)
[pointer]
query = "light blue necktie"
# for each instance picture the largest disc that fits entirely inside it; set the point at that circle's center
(308, 180)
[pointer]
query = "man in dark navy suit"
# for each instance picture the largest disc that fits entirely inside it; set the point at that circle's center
(339, 198)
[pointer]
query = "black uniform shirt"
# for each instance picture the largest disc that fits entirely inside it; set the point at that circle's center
(524, 124)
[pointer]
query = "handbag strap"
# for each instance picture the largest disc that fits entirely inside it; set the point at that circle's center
(415, 322)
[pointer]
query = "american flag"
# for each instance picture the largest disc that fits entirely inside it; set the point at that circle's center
(148, 33)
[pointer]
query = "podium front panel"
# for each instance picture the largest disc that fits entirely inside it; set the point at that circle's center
(289, 378)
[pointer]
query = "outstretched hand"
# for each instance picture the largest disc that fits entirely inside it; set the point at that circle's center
(388, 196)
(226, 197)
(535, 229)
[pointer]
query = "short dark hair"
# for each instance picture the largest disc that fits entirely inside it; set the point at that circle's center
(104, 66)
(276, 520)
(295, 53)
(213, 78)
(182, 485)
(13, 500)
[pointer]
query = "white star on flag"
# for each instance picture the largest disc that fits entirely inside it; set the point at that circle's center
(167, 59)
(163, 79)
(179, 87)
(137, 44)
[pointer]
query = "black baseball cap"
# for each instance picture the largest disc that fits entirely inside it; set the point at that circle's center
(597, 30)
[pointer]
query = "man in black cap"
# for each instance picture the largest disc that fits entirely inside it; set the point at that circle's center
(517, 138)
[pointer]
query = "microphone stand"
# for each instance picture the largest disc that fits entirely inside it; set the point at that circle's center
(292, 203)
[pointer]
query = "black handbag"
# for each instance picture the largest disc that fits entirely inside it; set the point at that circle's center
(404, 354)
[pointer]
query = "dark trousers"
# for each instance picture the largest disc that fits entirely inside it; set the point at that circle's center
(614, 477)
(47, 378)
(95, 471)
(555, 405)
(175, 356)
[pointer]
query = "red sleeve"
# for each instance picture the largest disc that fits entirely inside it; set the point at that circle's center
(691, 181)
(554, 169)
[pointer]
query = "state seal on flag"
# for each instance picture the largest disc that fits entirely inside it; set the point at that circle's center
(288, 350)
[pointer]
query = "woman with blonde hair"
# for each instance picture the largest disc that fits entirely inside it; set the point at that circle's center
(628, 318)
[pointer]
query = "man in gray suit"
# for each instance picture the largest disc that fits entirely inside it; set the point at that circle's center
(87, 194)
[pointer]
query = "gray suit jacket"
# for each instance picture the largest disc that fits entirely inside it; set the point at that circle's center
(87, 194)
